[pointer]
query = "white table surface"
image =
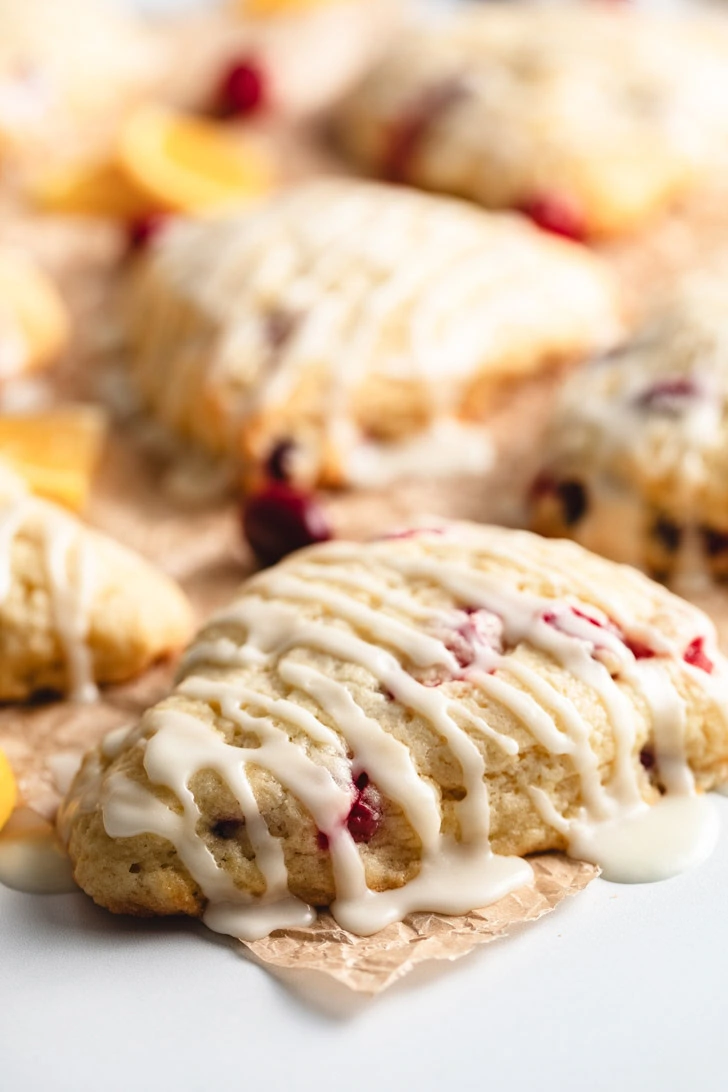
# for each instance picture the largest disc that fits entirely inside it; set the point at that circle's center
(620, 988)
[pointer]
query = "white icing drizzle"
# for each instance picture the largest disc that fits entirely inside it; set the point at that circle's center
(337, 260)
(316, 750)
(68, 563)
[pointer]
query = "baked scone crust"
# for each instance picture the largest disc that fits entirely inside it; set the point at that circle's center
(76, 607)
(372, 326)
(611, 111)
(635, 461)
(360, 707)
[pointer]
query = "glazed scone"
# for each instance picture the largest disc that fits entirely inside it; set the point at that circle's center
(34, 322)
(66, 67)
(388, 726)
(636, 454)
(593, 117)
(371, 327)
(76, 608)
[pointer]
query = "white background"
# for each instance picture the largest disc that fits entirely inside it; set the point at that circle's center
(621, 988)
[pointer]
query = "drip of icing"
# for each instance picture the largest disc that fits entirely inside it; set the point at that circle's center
(614, 827)
(69, 570)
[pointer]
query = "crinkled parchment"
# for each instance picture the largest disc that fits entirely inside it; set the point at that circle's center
(371, 964)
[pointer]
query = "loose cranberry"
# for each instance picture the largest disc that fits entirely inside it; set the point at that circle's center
(714, 542)
(365, 816)
(694, 654)
(279, 519)
(144, 229)
(408, 133)
(669, 534)
(669, 395)
(243, 89)
(557, 214)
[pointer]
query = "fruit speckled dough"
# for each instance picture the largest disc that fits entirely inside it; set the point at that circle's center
(591, 117)
(384, 727)
(369, 328)
(636, 454)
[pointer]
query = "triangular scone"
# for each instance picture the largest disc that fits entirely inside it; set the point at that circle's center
(369, 328)
(76, 608)
(594, 117)
(377, 726)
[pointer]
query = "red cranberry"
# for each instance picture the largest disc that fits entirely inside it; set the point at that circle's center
(557, 214)
(694, 654)
(279, 519)
(411, 129)
(669, 395)
(144, 229)
(715, 542)
(647, 757)
(322, 841)
(243, 89)
(668, 534)
(639, 650)
(365, 816)
(228, 828)
(278, 464)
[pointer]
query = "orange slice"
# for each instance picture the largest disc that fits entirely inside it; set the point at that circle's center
(186, 164)
(91, 189)
(34, 310)
(55, 452)
(258, 8)
(8, 790)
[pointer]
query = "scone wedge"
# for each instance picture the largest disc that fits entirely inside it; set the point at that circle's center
(76, 607)
(369, 328)
(390, 726)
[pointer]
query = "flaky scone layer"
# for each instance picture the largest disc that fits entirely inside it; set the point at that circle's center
(372, 328)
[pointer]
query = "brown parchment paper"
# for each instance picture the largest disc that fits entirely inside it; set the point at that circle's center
(136, 499)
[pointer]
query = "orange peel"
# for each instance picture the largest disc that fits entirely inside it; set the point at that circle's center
(55, 452)
(8, 790)
(187, 164)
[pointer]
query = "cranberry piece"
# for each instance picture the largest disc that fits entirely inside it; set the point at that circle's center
(574, 500)
(144, 229)
(647, 757)
(639, 650)
(412, 128)
(365, 815)
(714, 542)
(243, 89)
(668, 396)
(228, 828)
(695, 654)
(278, 464)
(557, 214)
(322, 841)
(544, 485)
(278, 519)
(669, 534)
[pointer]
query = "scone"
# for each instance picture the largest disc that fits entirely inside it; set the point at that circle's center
(369, 328)
(591, 117)
(76, 608)
(66, 68)
(636, 454)
(387, 727)
(34, 323)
